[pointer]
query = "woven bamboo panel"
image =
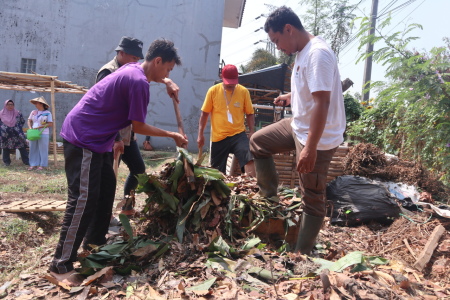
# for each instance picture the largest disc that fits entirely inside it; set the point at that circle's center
(59, 150)
(29, 206)
(285, 164)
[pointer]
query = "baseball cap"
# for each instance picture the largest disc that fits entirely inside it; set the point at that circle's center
(230, 74)
(131, 46)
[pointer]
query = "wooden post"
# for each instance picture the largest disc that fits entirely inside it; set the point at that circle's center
(52, 97)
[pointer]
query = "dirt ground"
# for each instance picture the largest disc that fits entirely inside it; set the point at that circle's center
(27, 242)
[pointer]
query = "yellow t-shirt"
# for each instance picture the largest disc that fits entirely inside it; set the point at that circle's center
(216, 104)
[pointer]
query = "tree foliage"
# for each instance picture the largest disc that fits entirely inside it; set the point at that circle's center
(260, 59)
(283, 58)
(410, 116)
(353, 109)
(331, 19)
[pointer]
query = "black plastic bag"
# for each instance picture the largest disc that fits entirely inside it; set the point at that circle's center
(359, 200)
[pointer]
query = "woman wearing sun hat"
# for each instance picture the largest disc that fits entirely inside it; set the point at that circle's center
(40, 118)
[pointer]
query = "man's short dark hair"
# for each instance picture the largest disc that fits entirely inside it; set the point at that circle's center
(280, 17)
(165, 49)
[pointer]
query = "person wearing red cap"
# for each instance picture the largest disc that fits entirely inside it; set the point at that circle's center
(229, 104)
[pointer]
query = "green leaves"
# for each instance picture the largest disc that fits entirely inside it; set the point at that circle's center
(416, 93)
(356, 259)
(188, 203)
(251, 243)
(203, 286)
(218, 244)
(126, 225)
(181, 224)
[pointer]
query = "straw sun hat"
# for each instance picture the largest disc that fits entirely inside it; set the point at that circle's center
(40, 100)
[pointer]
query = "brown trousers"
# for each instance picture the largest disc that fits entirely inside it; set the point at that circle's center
(280, 137)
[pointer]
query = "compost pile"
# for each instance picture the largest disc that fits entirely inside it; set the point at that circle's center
(369, 161)
(202, 239)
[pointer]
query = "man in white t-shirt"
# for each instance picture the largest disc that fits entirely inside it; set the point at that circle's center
(316, 128)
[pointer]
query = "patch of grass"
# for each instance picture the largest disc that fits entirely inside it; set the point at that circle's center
(10, 188)
(15, 227)
(28, 242)
(53, 186)
(3, 171)
(17, 179)
(155, 159)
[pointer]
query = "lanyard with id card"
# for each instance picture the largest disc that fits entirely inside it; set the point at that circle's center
(229, 116)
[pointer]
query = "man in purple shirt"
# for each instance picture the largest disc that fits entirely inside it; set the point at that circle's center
(89, 131)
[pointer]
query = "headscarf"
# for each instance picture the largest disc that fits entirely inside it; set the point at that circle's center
(7, 116)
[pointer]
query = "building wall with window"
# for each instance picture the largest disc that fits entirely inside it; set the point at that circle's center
(73, 39)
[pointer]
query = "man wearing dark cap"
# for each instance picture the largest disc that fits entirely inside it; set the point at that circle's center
(229, 104)
(129, 51)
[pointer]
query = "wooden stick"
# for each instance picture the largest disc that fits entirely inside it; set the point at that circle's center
(26, 75)
(116, 164)
(431, 244)
(178, 116)
(409, 248)
(187, 168)
(200, 152)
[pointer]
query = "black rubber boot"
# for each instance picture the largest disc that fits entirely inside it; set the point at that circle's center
(309, 229)
(266, 177)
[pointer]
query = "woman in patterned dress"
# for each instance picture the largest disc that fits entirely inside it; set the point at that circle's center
(11, 133)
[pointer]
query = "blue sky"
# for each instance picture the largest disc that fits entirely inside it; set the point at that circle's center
(239, 44)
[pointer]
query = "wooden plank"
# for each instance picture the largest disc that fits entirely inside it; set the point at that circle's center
(336, 167)
(30, 206)
(335, 174)
(340, 154)
(335, 170)
(337, 159)
(431, 244)
(285, 163)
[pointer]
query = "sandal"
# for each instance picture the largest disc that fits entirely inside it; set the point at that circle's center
(30, 168)
(147, 146)
(40, 168)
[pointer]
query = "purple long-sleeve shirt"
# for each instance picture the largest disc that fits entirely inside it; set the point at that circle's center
(107, 107)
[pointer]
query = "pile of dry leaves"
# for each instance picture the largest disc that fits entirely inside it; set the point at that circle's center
(369, 161)
(214, 239)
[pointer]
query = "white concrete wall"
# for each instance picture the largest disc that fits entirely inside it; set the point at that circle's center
(72, 39)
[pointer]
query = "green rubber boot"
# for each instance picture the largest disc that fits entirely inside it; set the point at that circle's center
(309, 229)
(266, 177)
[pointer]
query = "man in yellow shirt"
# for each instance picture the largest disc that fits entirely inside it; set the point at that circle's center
(229, 104)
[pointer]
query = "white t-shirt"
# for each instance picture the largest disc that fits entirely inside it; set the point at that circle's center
(316, 69)
(40, 118)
